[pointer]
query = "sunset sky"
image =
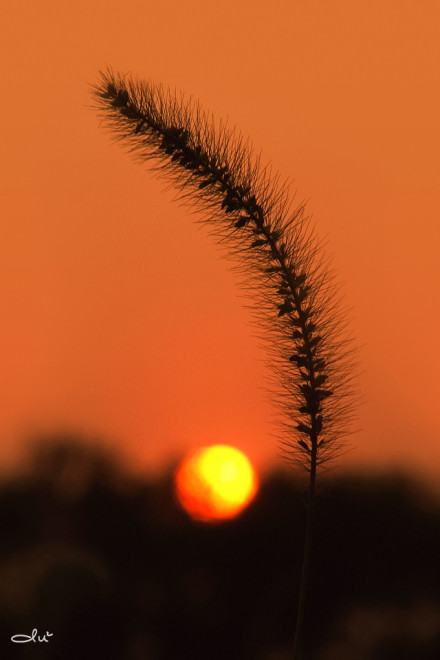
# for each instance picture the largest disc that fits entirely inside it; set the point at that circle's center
(121, 319)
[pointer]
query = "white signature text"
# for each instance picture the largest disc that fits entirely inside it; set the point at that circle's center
(34, 637)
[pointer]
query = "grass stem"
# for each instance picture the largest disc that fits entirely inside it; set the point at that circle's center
(306, 561)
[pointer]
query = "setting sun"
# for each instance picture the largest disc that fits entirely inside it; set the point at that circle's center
(215, 483)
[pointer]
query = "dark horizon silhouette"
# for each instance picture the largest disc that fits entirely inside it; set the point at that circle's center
(114, 568)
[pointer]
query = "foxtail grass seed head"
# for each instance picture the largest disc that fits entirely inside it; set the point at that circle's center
(283, 269)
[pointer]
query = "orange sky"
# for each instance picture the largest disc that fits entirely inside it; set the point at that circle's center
(119, 317)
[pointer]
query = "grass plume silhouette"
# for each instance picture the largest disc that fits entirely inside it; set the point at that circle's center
(283, 268)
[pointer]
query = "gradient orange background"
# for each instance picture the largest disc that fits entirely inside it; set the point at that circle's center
(119, 318)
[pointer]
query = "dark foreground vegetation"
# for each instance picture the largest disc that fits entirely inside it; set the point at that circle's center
(115, 570)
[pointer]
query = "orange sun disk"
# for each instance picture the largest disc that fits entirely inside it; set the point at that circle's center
(215, 483)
